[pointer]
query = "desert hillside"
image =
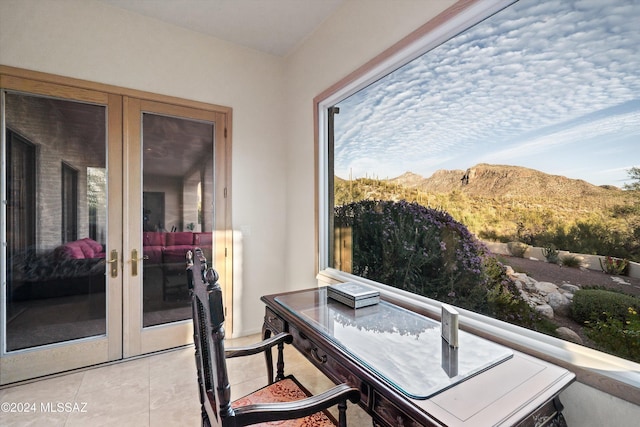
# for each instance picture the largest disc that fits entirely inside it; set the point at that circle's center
(505, 203)
(498, 180)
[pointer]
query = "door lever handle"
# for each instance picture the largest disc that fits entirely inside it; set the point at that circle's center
(134, 261)
(113, 261)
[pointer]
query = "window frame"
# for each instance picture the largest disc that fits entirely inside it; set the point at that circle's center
(613, 375)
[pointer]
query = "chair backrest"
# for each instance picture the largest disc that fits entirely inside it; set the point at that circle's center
(208, 336)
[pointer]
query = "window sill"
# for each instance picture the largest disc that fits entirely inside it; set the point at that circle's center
(609, 374)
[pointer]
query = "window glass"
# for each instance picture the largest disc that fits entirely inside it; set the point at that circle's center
(500, 172)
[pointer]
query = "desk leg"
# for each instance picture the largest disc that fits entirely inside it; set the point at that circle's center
(266, 333)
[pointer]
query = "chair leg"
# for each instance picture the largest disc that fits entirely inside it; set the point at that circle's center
(205, 420)
(280, 363)
(342, 414)
(203, 411)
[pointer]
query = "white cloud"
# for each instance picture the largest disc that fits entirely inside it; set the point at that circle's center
(605, 129)
(533, 66)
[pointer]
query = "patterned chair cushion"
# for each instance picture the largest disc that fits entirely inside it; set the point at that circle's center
(286, 390)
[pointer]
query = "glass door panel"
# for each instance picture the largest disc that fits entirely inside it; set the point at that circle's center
(177, 169)
(55, 238)
(56, 255)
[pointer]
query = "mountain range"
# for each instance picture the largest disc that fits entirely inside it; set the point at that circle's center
(485, 180)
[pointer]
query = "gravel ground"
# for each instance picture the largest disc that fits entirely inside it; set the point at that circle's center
(545, 272)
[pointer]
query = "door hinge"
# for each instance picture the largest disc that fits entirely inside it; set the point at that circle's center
(225, 252)
(225, 192)
(225, 132)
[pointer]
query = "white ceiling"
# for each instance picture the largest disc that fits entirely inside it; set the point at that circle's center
(272, 26)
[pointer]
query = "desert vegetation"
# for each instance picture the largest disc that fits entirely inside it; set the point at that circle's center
(507, 203)
(425, 242)
(611, 321)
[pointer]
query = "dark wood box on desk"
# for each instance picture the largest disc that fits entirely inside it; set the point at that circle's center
(513, 389)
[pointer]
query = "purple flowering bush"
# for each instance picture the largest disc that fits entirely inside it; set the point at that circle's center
(427, 252)
(415, 248)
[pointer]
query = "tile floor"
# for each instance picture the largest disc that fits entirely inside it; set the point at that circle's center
(157, 390)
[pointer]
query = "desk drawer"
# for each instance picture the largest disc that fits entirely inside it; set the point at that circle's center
(548, 415)
(273, 321)
(328, 365)
(391, 414)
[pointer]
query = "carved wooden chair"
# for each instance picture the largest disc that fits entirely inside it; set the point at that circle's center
(284, 399)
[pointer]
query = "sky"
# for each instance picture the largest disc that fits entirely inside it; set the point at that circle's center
(549, 85)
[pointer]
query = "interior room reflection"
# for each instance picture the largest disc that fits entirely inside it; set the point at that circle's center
(56, 220)
(57, 217)
(177, 210)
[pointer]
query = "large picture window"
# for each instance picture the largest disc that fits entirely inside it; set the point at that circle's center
(497, 169)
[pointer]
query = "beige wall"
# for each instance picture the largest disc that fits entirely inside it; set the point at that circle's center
(355, 34)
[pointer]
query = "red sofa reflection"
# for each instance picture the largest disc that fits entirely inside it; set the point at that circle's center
(167, 252)
(161, 248)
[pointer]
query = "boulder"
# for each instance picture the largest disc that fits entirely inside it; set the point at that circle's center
(545, 297)
(559, 302)
(523, 281)
(545, 310)
(546, 288)
(570, 288)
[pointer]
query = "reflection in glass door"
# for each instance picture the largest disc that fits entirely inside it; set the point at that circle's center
(177, 170)
(54, 229)
(56, 255)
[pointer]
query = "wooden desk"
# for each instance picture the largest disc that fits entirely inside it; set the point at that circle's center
(508, 388)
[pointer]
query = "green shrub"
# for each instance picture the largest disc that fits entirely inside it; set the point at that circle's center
(618, 337)
(517, 249)
(572, 261)
(551, 254)
(589, 305)
(614, 266)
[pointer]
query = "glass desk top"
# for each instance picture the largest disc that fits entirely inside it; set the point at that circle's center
(402, 347)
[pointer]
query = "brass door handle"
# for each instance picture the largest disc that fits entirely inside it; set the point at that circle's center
(134, 261)
(113, 261)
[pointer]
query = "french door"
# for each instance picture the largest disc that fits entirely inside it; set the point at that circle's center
(173, 158)
(103, 195)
